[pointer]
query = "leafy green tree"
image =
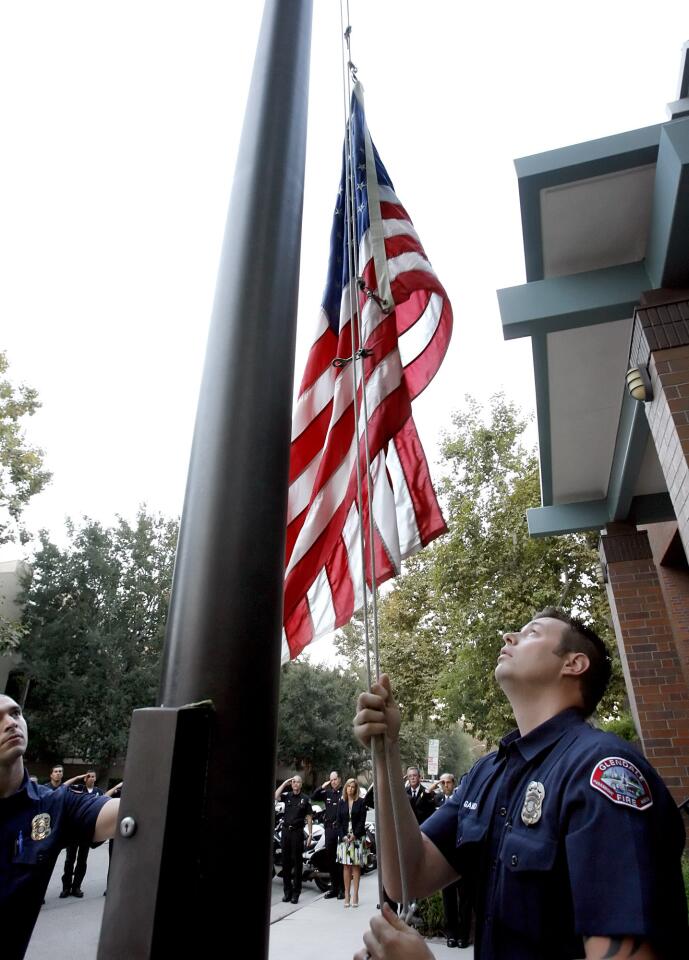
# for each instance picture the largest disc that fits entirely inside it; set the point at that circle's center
(21, 466)
(21, 476)
(317, 706)
(94, 622)
(441, 623)
(11, 632)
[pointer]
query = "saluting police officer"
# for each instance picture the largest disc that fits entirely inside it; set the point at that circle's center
(297, 810)
(330, 793)
(570, 839)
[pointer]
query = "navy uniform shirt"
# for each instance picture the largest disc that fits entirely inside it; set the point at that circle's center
(330, 797)
(297, 808)
(598, 855)
(82, 788)
(35, 823)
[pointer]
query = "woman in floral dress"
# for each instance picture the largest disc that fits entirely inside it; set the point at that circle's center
(351, 833)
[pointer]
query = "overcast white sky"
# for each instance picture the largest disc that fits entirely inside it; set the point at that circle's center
(120, 124)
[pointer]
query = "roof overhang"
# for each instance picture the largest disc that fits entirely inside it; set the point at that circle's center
(602, 222)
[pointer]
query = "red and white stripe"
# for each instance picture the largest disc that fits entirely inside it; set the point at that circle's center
(323, 575)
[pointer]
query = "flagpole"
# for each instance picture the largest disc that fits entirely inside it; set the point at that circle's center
(200, 846)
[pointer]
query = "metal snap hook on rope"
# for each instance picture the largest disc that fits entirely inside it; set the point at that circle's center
(407, 914)
(383, 304)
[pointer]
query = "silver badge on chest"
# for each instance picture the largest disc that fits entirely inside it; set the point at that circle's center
(40, 826)
(533, 803)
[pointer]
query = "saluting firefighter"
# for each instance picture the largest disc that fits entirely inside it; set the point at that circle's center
(298, 811)
(329, 793)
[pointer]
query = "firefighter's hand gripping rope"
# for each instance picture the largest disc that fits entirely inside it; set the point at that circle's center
(389, 938)
(377, 715)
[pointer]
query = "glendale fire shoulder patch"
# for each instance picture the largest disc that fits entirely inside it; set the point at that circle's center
(622, 782)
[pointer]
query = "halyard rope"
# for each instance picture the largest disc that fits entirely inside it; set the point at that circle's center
(349, 74)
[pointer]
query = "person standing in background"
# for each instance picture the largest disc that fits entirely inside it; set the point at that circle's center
(330, 794)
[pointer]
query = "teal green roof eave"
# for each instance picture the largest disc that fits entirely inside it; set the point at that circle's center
(667, 257)
(567, 164)
(554, 521)
(578, 300)
(544, 306)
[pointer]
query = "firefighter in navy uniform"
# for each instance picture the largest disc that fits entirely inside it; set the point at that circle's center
(570, 839)
(77, 854)
(35, 823)
(298, 811)
(330, 793)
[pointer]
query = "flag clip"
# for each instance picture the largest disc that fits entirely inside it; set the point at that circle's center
(383, 304)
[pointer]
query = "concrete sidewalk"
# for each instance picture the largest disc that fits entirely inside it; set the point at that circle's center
(323, 927)
(69, 929)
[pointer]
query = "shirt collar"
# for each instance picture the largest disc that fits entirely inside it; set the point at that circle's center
(543, 736)
(27, 786)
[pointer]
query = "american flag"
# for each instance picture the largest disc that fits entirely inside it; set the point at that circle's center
(406, 323)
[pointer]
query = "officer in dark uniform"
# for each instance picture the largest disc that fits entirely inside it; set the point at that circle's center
(330, 793)
(77, 854)
(456, 902)
(56, 774)
(297, 810)
(35, 823)
(570, 838)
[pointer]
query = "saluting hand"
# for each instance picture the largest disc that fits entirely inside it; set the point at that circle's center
(377, 713)
(391, 939)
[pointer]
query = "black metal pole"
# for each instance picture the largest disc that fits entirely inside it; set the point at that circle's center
(224, 629)
(224, 626)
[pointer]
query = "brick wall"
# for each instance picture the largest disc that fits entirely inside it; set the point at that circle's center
(673, 574)
(658, 693)
(675, 587)
(660, 339)
(668, 418)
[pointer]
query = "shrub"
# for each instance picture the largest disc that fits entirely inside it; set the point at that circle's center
(430, 913)
(622, 725)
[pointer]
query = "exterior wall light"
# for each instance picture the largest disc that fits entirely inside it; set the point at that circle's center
(639, 384)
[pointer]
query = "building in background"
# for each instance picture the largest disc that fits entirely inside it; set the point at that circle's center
(606, 304)
(12, 573)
